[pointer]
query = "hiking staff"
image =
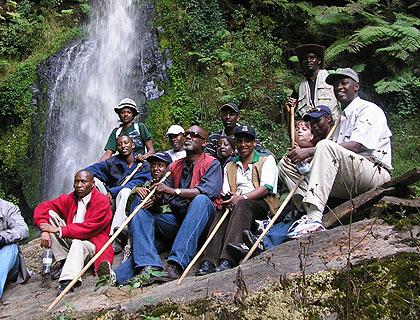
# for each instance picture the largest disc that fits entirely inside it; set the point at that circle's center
(87, 266)
(139, 165)
(199, 253)
(292, 125)
(283, 205)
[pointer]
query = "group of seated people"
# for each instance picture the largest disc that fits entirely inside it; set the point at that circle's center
(210, 173)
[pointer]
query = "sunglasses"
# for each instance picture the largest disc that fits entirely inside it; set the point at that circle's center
(193, 134)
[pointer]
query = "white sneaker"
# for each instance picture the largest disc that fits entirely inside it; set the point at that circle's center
(105, 270)
(304, 226)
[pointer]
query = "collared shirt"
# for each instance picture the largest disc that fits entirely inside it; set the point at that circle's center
(176, 155)
(269, 175)
(209, 185)
(364, 122)
(81, 208)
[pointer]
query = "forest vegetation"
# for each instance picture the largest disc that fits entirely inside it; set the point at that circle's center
(221, 51)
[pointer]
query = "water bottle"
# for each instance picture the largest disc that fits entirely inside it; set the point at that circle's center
(303, 167)
(47, 258)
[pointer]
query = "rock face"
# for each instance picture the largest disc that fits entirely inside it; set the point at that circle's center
(370, 239)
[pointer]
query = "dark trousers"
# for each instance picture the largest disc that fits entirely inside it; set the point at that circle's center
(240, 219)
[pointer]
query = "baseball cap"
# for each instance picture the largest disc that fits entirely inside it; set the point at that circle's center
(230, 105)
(127, 103)
(160, 156)
(248, 130)
(317, 112)
(174, 129)
(341, 73)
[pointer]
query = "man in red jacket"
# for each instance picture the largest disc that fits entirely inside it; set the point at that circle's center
(75, 226)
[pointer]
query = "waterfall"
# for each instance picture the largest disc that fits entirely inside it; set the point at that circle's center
(118, 58)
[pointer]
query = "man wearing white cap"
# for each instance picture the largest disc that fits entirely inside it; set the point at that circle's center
(356, 160)
(137, 131)
(175, 136)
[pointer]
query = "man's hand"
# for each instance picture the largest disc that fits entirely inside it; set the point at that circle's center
(163, 188)
(300, 154)
(110, 197)
(140, 157)
(45, 239)
(232, 201)
(291, 102)
(142, 192)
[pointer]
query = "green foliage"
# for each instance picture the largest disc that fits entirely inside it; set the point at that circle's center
(26, 38)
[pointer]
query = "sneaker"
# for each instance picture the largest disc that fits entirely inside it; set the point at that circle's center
(127, 252)
(105, 272)
(237, 250)
(304, 226)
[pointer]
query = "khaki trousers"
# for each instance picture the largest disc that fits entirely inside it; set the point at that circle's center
(335, 171)
(75, 251)
(120, 204)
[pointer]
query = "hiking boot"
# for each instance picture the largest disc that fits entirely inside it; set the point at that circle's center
(237, 250)
(249, 239)
(56, 269)
(205, 267)
(64, 283)
(304, 226)
(224, 265)
(105, 271)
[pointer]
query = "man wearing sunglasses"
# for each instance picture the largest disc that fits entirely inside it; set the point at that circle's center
(195, 182)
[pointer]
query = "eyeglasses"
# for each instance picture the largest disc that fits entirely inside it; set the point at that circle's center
(193, 134)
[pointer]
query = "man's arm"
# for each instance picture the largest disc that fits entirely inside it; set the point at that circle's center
(98, 217)
(100, 170)
(16, 228)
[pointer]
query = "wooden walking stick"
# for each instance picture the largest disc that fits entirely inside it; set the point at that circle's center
(199, 253)
(106, 245)
(139, 165)
(283, 205)
(292, 125)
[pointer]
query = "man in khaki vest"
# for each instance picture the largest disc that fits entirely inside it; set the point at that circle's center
(249, 186)
(312, 91)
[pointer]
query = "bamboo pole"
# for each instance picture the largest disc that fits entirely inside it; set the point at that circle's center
(194, 260)
(283, 205)
(106, 245)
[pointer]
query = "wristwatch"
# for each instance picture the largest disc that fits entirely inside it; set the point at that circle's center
(245, 196)
(177, 191)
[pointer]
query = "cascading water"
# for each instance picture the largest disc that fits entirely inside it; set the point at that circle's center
(118, 59)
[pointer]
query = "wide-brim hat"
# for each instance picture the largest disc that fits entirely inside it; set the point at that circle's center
(314, 48)
(127, 103)
(160, 156)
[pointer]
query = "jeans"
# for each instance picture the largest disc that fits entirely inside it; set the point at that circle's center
(8, 258)
(185, 233)
(277, 234)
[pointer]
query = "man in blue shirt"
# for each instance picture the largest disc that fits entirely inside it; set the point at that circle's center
(118, 175)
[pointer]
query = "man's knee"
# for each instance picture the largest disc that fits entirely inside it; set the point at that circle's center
(201, 199)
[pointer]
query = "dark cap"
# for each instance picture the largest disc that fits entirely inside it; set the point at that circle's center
(246, 130)
(317, 112)
(311, 48)
(160, 156)
(341, 73)
(230, 105)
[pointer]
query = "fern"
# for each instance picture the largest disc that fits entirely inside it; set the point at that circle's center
(336, 49)
(397, 83)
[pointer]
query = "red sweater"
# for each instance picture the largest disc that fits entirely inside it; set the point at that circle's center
(94, 228)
